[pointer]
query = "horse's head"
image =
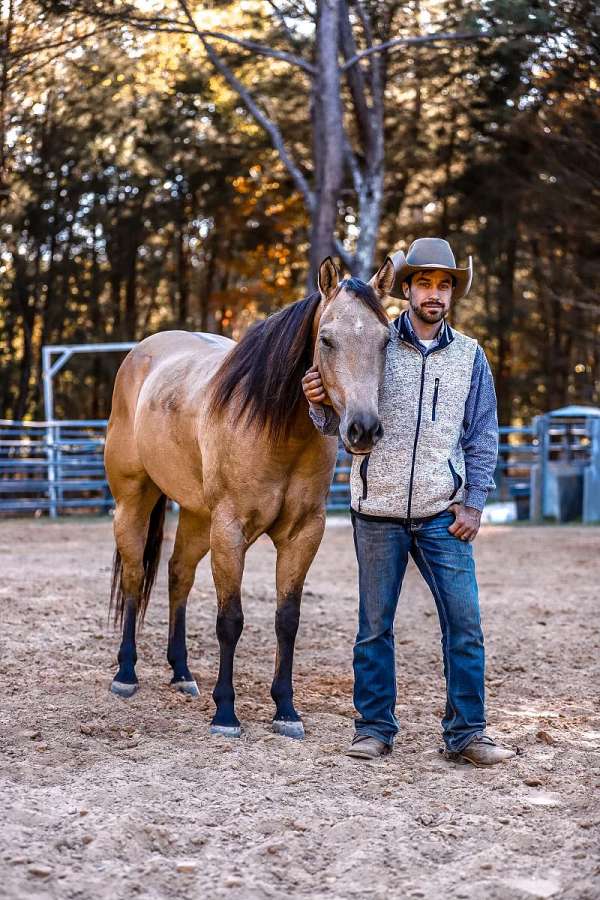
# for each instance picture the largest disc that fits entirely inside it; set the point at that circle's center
(350, 345)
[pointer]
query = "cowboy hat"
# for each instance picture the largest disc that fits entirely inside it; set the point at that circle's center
(432, 253)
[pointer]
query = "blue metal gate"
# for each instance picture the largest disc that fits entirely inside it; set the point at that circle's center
(52, 466)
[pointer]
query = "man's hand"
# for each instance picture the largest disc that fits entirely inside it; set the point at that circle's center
(467, 522)
(313, 387)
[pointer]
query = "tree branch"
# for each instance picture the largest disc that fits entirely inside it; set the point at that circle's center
(162, 24)
(261, 49)
(76, 39)
(289, 34)
(263, 120)
(352, 163)
(420, 39)
(364, 21)
(247, 45)
(355, 78)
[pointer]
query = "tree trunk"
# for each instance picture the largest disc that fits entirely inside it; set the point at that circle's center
(506, 305)
(327, 130)
(210, 271)
(27, 310)
(130, 293)
(183, 288)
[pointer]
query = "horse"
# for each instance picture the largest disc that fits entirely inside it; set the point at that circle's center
(222, 429)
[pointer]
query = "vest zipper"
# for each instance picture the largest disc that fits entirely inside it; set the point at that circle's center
(435, 398)
(414, 455)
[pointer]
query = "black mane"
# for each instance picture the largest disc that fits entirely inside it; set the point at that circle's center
(264, 371)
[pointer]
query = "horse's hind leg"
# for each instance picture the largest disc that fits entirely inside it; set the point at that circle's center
(296, 548)
(228, 550)
(139, 509)
(192, 542)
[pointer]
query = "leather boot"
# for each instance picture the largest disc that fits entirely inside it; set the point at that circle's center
(364, 746)
(481, 751)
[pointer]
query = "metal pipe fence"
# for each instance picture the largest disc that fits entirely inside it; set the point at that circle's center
(57, 467)
(53, 466)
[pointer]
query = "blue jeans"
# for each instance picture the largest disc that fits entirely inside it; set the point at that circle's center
(446, 563)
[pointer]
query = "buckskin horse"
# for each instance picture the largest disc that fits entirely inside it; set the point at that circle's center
(223, 429)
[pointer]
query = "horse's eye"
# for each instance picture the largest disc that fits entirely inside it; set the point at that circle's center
(327, 343)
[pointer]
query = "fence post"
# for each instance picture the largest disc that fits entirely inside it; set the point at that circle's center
(539, 471)
(49, 412)
(50, 454)
(591, 476)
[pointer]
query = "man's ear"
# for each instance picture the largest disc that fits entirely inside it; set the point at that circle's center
(406, 289)
(329, 278)
(383, 280)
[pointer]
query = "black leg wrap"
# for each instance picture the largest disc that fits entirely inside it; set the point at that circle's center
(127, 656)
(287, 619)
(229, 629)
(177, 649)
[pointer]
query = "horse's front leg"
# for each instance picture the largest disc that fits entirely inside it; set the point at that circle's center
(228, 550)
(296, 547)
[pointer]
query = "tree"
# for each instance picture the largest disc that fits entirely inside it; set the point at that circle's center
(347, 149)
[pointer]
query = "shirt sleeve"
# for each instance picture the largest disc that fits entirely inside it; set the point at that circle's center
(480, 433)
(325, 419)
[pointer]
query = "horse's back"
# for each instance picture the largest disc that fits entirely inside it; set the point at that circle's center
(158, 391)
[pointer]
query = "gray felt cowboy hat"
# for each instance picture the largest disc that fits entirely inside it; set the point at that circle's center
(432, 253)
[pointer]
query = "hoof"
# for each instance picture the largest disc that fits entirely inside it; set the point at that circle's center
(289, 729)
(123, 690)
(186, 687)
(232, 731)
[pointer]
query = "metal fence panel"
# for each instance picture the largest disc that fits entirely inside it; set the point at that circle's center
(53, 466)
(58, 466)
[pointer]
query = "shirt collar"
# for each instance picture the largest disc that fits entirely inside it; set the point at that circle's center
(407, 332)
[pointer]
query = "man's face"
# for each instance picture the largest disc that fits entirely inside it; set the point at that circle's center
(429, 294)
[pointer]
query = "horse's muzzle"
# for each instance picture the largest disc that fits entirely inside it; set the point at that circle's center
(363, 433)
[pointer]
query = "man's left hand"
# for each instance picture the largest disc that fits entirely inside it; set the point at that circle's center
(467, 522)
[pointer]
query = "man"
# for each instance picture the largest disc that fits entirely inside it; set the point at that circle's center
(421, 492)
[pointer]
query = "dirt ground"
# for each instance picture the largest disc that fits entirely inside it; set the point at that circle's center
(109, 798)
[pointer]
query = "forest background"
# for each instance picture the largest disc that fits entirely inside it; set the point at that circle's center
(185, 165)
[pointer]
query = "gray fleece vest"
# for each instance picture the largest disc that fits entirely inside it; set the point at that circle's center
(417, 469)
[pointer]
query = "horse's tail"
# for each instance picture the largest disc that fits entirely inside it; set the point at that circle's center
(151, 561)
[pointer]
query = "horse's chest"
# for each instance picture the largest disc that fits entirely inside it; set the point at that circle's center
(261, 485)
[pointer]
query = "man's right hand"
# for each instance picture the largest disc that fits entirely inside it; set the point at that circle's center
(313, 387)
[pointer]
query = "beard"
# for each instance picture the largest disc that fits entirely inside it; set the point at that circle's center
(430, 316)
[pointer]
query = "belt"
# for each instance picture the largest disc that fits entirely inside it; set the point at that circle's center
(394, 520)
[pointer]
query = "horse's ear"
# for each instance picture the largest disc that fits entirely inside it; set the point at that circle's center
(383, 280)
(328, 278)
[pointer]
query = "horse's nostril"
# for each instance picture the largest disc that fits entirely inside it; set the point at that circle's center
(378, 433)
(355, 433)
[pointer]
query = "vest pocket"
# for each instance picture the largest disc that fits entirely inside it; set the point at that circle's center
(435, 398)
(363, 477)
(456, 479)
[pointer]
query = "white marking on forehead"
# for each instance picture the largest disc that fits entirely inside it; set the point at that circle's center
(359, 325)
